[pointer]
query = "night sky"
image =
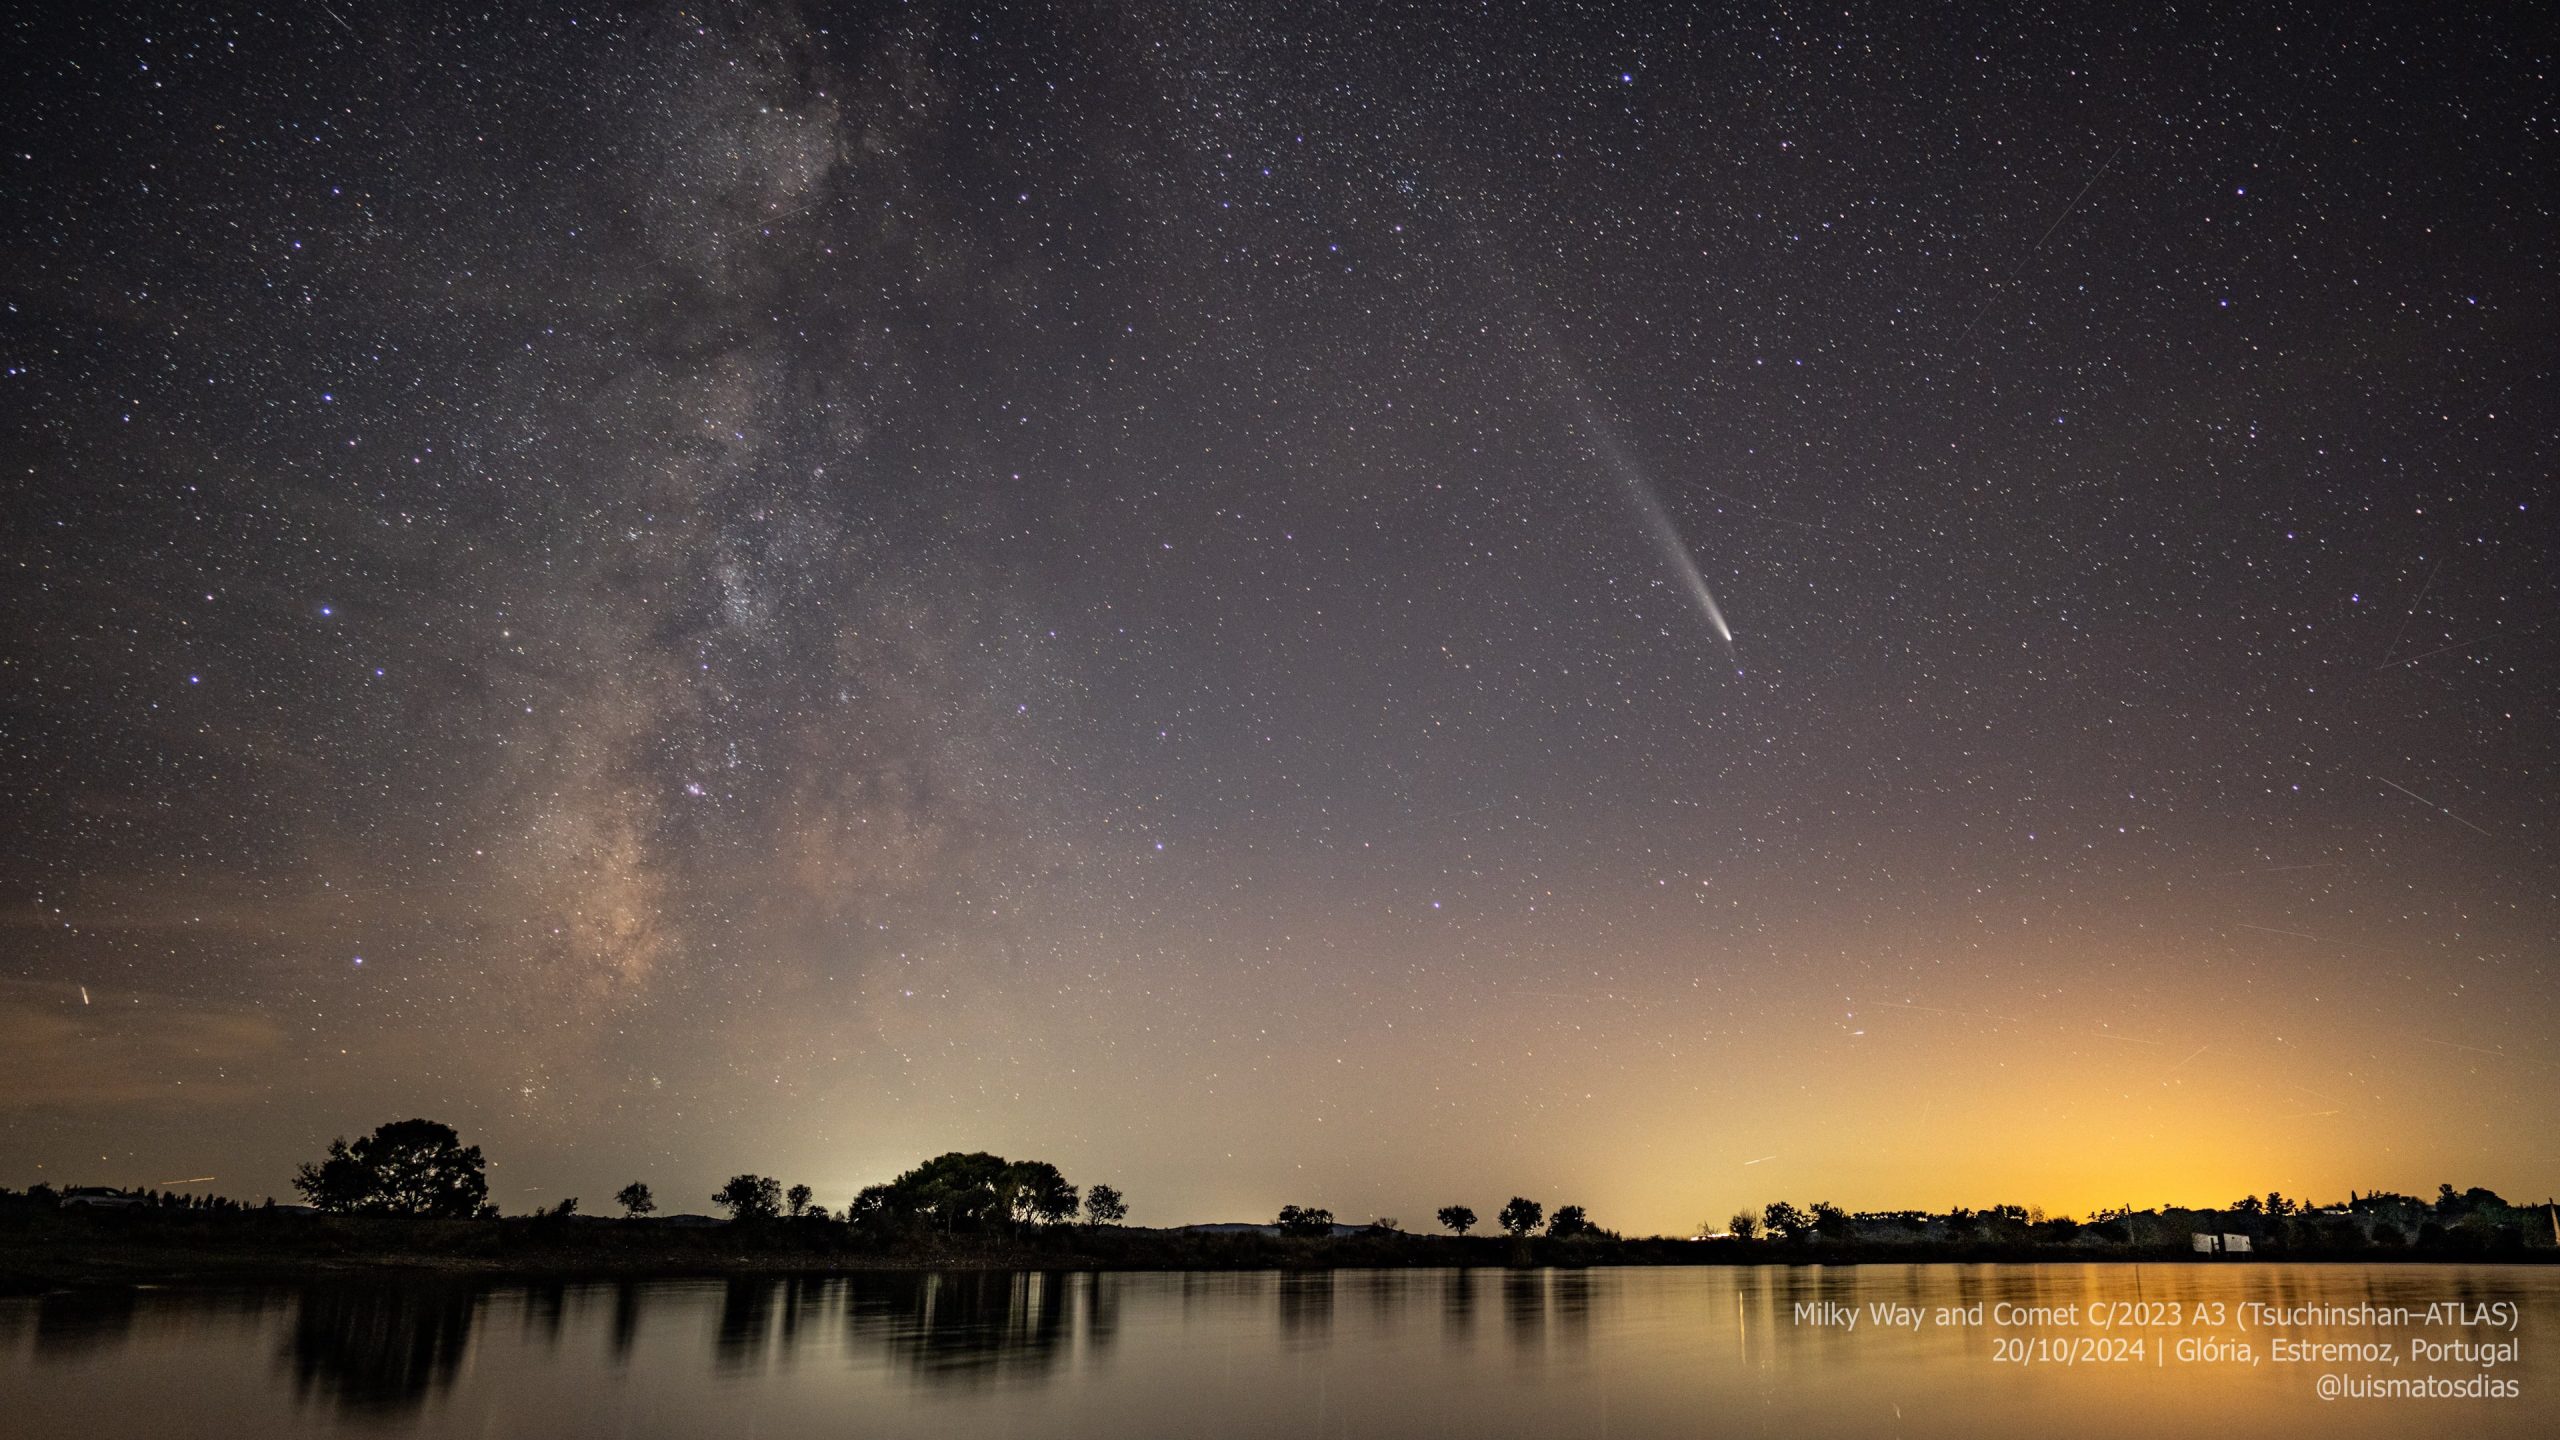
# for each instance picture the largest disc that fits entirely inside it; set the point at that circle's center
(790, 589)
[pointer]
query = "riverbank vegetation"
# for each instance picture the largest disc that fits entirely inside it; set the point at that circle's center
(411, 1196)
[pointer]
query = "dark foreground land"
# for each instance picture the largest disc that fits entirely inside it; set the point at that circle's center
(42, 1251)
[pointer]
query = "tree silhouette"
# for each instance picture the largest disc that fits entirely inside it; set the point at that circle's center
(1305, 1223)
(1744, 1225)
(1103, 1206)
(1522, 1215)
(955, 1191)
(1033, 1192)
(797, 1199)
(1569, 1221)
(408, 1167)
(635, 1200)
(1458, 1218)
(750, 1197)
(1785, 1220)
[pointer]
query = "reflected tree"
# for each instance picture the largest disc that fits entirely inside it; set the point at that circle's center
(1524, 1307)
(626, 1319)
(1306, 1305)
(964, 1326)
(546, 1309)
(1569, 1307)
(1458, 1299)
(69, 1322)
(381, 1348)
(746, 1321)
(1101, 1291)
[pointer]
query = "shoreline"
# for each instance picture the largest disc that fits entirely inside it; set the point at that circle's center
(504, 1252)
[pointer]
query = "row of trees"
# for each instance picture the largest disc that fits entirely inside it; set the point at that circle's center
(1781, 1220)
(955, 1193)
(152, 1199)
(2380, 1217)
(1520, 1218)
(422, 1168)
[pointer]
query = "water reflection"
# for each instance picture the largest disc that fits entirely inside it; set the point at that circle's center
(1569, 1311)
(1524, 1308)
(1479, 1352)
(380, 1347)
(1460, 1293)
(1306, 1307)
(545, 1307)
(78, 1321)
(962, 1326)
(627, 1299)
(746, 1314)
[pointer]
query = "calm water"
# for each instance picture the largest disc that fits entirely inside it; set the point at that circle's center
(1636, 1352)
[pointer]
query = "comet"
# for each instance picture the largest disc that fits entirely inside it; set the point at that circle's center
(1604, 437)
(1657, 520)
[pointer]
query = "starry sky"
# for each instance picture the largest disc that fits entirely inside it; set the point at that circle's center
(1358, 605)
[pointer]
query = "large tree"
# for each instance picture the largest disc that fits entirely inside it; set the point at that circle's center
(1781, 1218)
(1522, 1215)
(1305, 1223)
(750, 1197)
(1103, 1205)
(1832, 1222)
(1458, 1218)
(972, 1190)
(1569, 1221)
(408, 1167)
(1034, 1192)
(635, 1199)
(953, 1191)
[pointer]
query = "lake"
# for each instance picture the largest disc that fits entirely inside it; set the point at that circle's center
(1994, 1350)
